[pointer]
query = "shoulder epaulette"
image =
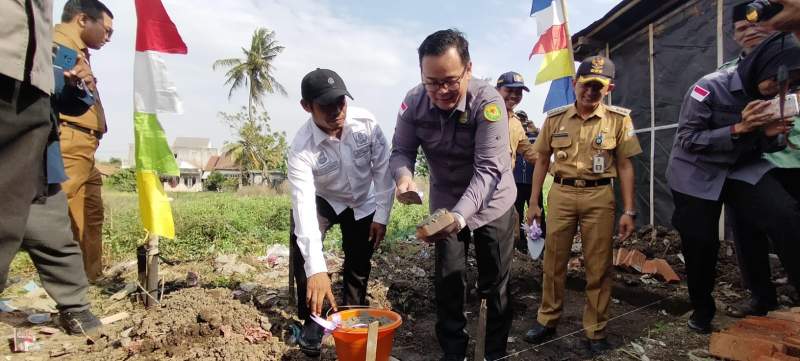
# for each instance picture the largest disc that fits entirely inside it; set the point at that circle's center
(557, 111)
(619, 110)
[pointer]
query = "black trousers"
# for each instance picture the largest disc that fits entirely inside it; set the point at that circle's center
(357, 248)
(697, 221)
(494, 247)
(523, 198)
(766, 209)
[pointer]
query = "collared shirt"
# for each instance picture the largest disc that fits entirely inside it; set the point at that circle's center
(789, 157)
(68, 34)
(608, 133)
(518, 141)
(14, 36)
(467, 152)
(351, 172)
(704, 153)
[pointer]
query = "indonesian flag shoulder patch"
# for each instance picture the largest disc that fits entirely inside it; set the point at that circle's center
(699, 93)
(403, 108)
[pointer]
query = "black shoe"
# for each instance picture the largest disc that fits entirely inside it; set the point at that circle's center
(701, 327)
(598, 346)
(453, 357)
(750, 309)
(539, 333)
(495, 356)
(80, 323)
(310, 340)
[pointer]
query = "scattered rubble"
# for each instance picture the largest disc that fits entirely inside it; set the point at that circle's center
(227, 265)
(637, 261)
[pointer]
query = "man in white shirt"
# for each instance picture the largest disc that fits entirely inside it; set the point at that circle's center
(338, 174)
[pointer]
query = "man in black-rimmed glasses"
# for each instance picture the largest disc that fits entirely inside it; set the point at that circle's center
(462, 126)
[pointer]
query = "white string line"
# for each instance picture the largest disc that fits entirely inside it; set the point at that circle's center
(584, 329)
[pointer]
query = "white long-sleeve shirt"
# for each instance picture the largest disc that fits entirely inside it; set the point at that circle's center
(351, 172)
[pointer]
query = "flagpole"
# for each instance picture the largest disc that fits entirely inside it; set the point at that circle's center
(569, 35)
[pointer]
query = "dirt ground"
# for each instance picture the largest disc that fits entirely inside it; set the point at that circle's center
(248, 316)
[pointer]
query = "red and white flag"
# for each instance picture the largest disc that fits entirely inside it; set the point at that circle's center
(699, 93)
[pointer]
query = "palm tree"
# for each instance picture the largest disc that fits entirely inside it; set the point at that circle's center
(255, 70)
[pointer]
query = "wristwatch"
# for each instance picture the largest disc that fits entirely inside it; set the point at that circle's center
(631, 213)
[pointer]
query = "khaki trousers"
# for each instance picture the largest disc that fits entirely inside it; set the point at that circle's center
(83, 189)
(593, 209)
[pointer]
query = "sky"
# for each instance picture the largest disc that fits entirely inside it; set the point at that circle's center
(370, 44)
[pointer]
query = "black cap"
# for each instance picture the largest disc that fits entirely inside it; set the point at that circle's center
(323, 86)
(596, 68)
(512, 80)
(781, 49)
(740, 11)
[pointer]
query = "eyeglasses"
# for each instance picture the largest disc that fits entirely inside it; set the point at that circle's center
(448, 84)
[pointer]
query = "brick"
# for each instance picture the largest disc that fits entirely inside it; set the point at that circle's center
(783, 315)
(766, 335)
(619, 256)
(784, 357)
(650, 267)
(665, 271)
(635, 260)
(742, 348)
(783, 326)
(795, 309)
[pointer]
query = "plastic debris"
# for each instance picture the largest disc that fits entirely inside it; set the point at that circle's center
(39, 318)
(533, 233)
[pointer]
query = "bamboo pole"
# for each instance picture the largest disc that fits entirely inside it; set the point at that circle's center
(152, 270)
(651, 53)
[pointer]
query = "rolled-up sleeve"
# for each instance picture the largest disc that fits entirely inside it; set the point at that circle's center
(491, 160)
(381, 177)
(404, 145)
(304, 211)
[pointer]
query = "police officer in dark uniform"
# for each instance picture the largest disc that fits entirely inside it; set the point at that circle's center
(462, 126)
(717, 126)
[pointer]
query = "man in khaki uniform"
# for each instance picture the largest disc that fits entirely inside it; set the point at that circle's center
(592, 144)
(510, 86)
(84, 24)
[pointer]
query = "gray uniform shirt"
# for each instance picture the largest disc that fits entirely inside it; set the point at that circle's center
(467, 153)
(704, 152)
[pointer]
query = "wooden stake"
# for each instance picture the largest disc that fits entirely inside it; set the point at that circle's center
(480, 343)
(372, 341)
(152, 270)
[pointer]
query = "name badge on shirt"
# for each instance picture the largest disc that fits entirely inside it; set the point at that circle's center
(598, 164)
(360, 138)
(325, 165)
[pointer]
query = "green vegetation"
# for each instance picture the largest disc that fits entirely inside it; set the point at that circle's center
(210, 223)
(124, 180)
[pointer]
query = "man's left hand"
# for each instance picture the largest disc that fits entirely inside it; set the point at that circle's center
(626, 227)
(377, 232)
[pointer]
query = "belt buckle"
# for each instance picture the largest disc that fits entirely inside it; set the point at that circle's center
(580, 183)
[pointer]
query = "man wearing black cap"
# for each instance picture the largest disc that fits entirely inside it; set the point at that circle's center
(592, 144)
(338, 174)
(746, 34)
(510, 86)
(718, 127)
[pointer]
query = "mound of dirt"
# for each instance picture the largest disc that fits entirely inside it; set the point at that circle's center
(195, 324)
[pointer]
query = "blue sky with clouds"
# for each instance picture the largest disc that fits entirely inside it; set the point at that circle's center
(371, 44)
